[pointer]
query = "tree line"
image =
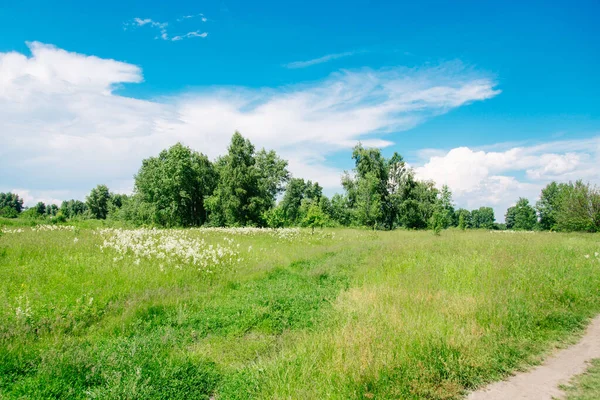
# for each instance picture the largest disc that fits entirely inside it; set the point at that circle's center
(182, 188)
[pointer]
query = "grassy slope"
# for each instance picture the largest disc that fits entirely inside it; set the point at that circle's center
(364, 315)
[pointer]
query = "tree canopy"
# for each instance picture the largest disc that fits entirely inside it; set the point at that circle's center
(182, 187)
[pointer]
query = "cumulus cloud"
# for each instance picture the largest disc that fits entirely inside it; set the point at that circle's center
(499, 178)
(65, 129)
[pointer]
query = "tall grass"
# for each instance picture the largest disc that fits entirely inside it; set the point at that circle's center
(339, 314)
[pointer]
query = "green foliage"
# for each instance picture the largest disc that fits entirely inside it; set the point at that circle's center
(12, 201)
(8, 212)
(315, 217)
(549, 204)
(522, 216)
(465, 215)
(32, 214)
(579, 208)
(384, 193)
(97, 202)
(462, 223)
(438, 221)
(298, 196)
(138, 212)
(247, 184)
(173, 186)
(73, 208)
(51, 210)
(59, 217)
(340, 210)
(483, 218)
(39, 208)
(275, 217)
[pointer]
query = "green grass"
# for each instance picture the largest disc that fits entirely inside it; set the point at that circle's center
(345, 314)
(585, 386)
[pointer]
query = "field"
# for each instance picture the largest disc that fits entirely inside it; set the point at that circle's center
(276, 314)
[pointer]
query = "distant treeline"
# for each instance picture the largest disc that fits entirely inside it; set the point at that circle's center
(182, 188)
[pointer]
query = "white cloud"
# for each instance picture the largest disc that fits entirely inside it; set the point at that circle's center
(202, 17)
(189, 35)
(162, 27)
(320, 60)
(64, 128)
(499, 178)
(46, 197)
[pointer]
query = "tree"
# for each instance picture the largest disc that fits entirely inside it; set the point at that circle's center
(73, 208)
(446, 207)
(548, 205)
(381, 190)
(521, 216)
(466, 217)
(297, 197)
(272, 175)
(176, 183)
(247, 184)
(579, 208)
(483, 218)
(340, 210)
(12, 201)
(97, 201)
(51, 210)
(416, 210)
(314, 217)
(8, 212)
(437, 221)
(462, 223)
(367, 189)
(275, 217)
(40, 208)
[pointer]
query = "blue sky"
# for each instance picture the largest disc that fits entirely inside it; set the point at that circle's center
(494, 99)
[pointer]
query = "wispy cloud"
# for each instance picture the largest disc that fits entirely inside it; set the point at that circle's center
(189, 35)
(63, 127)
(320, 60)
(162, 27)
(202, 17)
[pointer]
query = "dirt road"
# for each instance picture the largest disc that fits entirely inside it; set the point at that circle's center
(541, 382)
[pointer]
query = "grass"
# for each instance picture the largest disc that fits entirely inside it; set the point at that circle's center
(340, 314)
(585, 386)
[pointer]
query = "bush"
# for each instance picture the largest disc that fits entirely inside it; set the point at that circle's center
(8, 212)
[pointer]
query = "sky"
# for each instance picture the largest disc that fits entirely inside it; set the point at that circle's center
(494, 99)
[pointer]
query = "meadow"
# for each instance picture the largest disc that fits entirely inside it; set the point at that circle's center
(225, 313)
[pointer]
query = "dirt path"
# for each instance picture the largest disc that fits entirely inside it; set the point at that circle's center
(542, 382)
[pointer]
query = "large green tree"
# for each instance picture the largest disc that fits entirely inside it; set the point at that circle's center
(384, 192)
(549, 203)
(521, 216)
(466, 218)
(299, 195)
(579, 208)
(176, 183)
(247, 184)
(483, 218)
(73, 208)
(11, 201)
(98, 202)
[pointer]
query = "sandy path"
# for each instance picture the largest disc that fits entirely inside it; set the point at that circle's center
(542, 382)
